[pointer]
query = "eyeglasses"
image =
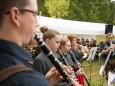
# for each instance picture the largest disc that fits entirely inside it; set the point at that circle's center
(31, 11)
(35, 14)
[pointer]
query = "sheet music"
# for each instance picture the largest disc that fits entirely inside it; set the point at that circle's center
(92, 53)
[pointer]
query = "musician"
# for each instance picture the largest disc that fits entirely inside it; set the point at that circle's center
(65, 46)
(78, 50)
(78, 53)
(52, 39)
(42, 63)
(105, 48)
(17, 26)
(108, 45)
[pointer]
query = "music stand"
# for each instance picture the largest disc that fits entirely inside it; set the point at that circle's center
(91, 57)
(92, 53)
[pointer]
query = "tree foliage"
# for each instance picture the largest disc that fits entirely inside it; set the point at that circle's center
(57, 9)
(100, 11)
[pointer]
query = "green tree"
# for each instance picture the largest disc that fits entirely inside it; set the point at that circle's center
(104, 11)
(42, 8)
(100, 11)
(112, 11)
(76, 11)
(57, 9)
(89, 10)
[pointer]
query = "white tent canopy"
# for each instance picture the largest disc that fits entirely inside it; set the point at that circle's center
(76, 27)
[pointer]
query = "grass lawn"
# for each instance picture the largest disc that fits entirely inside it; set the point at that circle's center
(92, 71)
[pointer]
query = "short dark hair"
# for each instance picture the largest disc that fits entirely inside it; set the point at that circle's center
(6, 5)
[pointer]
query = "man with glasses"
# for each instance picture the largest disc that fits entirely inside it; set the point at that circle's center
(17, 27)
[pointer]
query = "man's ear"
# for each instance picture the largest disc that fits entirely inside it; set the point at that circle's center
(14, 16)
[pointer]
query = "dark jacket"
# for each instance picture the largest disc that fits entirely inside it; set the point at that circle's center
(77, 54)
(12, 54)
(104, 46)
(43, 65)
(67, 58)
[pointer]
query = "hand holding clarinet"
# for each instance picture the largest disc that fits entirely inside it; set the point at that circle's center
(60, 68)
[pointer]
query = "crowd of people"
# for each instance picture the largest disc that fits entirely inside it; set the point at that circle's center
(18, 21)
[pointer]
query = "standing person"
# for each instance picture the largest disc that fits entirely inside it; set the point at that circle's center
(105, 48)
(17, 26)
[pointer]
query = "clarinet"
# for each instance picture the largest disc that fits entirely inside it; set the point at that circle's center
(77, 65)
(65, 63)
(62, 57)
(54, 61)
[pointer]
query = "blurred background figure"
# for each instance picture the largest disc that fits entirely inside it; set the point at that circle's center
(105, 48)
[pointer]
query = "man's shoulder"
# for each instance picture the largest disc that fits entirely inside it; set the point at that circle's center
(27, 78)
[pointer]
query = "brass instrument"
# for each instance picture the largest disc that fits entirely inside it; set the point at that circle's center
(31, 49)
(77, 65)
(85, 52)
(79, 47)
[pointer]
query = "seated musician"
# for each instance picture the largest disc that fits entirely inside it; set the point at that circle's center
(105, 48)
(41, 63)
(65, 46)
